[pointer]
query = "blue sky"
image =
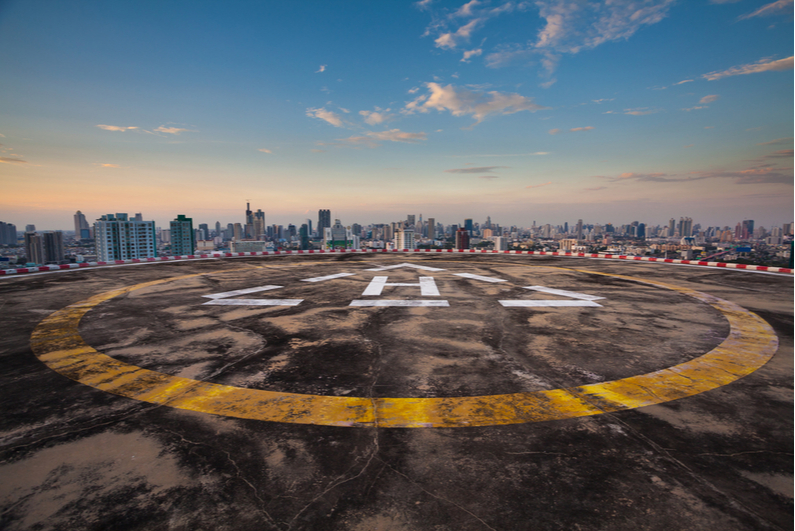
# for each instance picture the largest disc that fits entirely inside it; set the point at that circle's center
(544, 111)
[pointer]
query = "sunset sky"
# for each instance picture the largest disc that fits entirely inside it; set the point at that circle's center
(550, 110)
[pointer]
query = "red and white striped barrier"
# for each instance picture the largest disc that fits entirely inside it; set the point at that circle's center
(219, 255)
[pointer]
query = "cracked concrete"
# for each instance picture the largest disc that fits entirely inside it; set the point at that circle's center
(75, 457)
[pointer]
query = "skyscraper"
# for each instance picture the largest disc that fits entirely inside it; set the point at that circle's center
(183, 240)
(259, 224)
(323, 221)
(81, 226)
(462, 239)
(469, 226)
(432, 228)
(119, 238)
(53, 247)
(404, 239)
(8, 234)
(748, 229)
(249, 225)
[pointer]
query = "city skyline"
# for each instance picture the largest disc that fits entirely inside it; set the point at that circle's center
(545, 111)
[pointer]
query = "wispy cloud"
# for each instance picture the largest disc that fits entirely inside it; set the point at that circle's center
(684, 81)
(475, 13)
(688, 146)
(321, 69)
(539, 185)
(572, 26)
(695, 108)
(265, 150)
(588, 128)
(777, 141)
(489, 177)
(762, 174)
(763, 65)
(773, 8)
(470, 54)
(553, 131)
(116, 128)
(396, 135)
(783, 153)
(110, 166)
(462, 102)
(327, 116)
(368, 140)
(480, 169)
(172, 130)
(596, 188)
(11, 160)
(709, 99)
(640, 111)
(356, 142)
(317, 150)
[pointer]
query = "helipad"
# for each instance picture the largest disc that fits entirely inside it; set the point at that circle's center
(571, 385)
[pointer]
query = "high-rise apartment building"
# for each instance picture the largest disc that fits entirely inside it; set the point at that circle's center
(183, 240)
(119, 238)
(34, 247)
(8, 234)
(82, 231)
(53, 247)
(30, 228)
(404, 239)
(44, 248)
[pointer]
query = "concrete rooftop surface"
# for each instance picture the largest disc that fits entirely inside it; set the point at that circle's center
(389, 392)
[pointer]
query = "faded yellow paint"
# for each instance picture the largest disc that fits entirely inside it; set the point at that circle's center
(750, 344)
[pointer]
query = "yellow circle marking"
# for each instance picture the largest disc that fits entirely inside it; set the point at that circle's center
(750, 344)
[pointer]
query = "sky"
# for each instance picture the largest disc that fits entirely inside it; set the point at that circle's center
(547, 111)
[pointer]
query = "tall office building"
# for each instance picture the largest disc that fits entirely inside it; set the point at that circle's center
(323, 221)
(82, 231)
(685, 227)
(34, 247)
(259, 224)
(748, 229)
(462, 239)
(8, 234)
(432, 228)
(119, 238)
(578, 232)
(249, 225)
(308, 227)
(469, 226)
(183, 240)
(671, 227)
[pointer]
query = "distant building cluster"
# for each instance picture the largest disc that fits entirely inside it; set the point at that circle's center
(121, 236)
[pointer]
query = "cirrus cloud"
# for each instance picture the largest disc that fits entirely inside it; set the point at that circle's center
(763, 65)
(481, 169)
(116, 128)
